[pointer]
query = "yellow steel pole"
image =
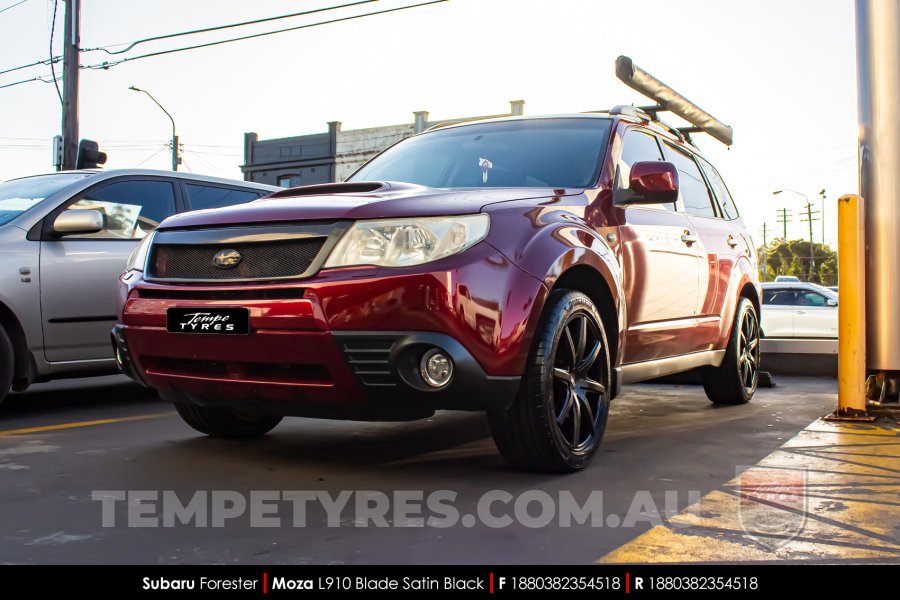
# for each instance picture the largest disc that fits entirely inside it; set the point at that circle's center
(851, 311)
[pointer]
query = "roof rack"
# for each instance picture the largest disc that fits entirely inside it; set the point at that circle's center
(669, 100)
(648, 114)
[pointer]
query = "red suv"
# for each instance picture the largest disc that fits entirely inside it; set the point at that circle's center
(525, 267)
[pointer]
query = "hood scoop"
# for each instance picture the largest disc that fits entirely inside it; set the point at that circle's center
(327, 189)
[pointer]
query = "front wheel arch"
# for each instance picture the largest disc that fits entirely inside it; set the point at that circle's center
(23, 363)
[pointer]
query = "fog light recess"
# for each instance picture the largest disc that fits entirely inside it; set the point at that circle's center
(436, 368)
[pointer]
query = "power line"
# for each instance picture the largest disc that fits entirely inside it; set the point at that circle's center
(129, 46)
(230, 147)
(41, 79)
(23, 139)
(166, 147)
(54, 59)
(3, 10)
(203, 163)
(213, 153)
(107, 65)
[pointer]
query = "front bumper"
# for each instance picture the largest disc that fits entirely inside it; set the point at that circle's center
(123, 356)
(343, 345)
(347, 375)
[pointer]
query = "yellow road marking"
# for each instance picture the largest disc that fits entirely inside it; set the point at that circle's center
(830, 493)
(83, 424)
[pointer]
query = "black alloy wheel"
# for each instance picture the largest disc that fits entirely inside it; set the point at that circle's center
(558, 418)
(735, 380)
(578, 396)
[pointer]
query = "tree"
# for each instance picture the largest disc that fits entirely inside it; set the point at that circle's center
(791, 257)
(828, 271)
(796, 268)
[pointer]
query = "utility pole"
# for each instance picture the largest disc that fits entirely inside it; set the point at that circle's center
(71, 52)
(812, 245)
(822, 193)
(765, 253)
(784, 217)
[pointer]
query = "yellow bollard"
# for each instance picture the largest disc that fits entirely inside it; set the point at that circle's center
(851, 312)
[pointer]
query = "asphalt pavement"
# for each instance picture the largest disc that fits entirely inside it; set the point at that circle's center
(92, 471)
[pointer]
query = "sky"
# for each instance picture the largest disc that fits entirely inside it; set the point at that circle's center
(782, 73)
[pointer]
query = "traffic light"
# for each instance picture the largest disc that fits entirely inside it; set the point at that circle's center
(89, 155)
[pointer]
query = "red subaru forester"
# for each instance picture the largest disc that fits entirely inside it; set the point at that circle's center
(524, 266)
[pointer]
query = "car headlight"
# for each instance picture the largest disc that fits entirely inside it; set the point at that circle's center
(138, 257)
(407, 242)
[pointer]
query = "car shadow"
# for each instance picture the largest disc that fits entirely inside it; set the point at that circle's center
(461, 439)
(59, 396)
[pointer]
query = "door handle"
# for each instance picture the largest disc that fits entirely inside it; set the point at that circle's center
(800, 312)
(689, 239)
(731, 241)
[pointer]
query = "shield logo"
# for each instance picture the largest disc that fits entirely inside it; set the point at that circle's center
(773, 504)
(226, 259)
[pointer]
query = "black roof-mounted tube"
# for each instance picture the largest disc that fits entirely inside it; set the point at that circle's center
(670, 100)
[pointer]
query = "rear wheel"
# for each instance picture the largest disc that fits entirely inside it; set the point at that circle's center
(7, 364)
(735, 380)
(558, 418)
(219, 422)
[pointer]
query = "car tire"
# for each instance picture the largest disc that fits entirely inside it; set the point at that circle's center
(735, 380)
(559, 415)
(7, 364)
(219, 422)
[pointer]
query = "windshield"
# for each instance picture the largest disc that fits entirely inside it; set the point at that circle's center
(19, 195)
(557, 153)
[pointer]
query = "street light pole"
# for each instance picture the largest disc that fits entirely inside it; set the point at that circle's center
(176, 160)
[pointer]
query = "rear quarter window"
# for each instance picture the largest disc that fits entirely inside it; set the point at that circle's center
(726, 202)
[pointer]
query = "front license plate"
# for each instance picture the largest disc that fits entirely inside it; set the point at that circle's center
(228, 321)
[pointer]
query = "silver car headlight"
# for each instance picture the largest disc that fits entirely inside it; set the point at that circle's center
(407, 242)
(138, 257)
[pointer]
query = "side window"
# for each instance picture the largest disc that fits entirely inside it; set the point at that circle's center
(779, 297)
(639, 147)
(132, 208)
(726, 202)
(811, 299)
(206, 196)
(694, 192)
(288, 181)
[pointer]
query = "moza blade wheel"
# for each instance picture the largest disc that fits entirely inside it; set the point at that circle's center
(735, 380)
(558, 418)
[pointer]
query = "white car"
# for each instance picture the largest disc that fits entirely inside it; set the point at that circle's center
(799, 310)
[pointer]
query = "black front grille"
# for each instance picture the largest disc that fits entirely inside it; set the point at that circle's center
(259, 260)
(369, 358)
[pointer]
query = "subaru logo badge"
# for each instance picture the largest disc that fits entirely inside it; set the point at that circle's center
(227, 259)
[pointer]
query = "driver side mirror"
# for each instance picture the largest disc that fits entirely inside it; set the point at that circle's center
(81, 221)
(830, 302)
(652, 182)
